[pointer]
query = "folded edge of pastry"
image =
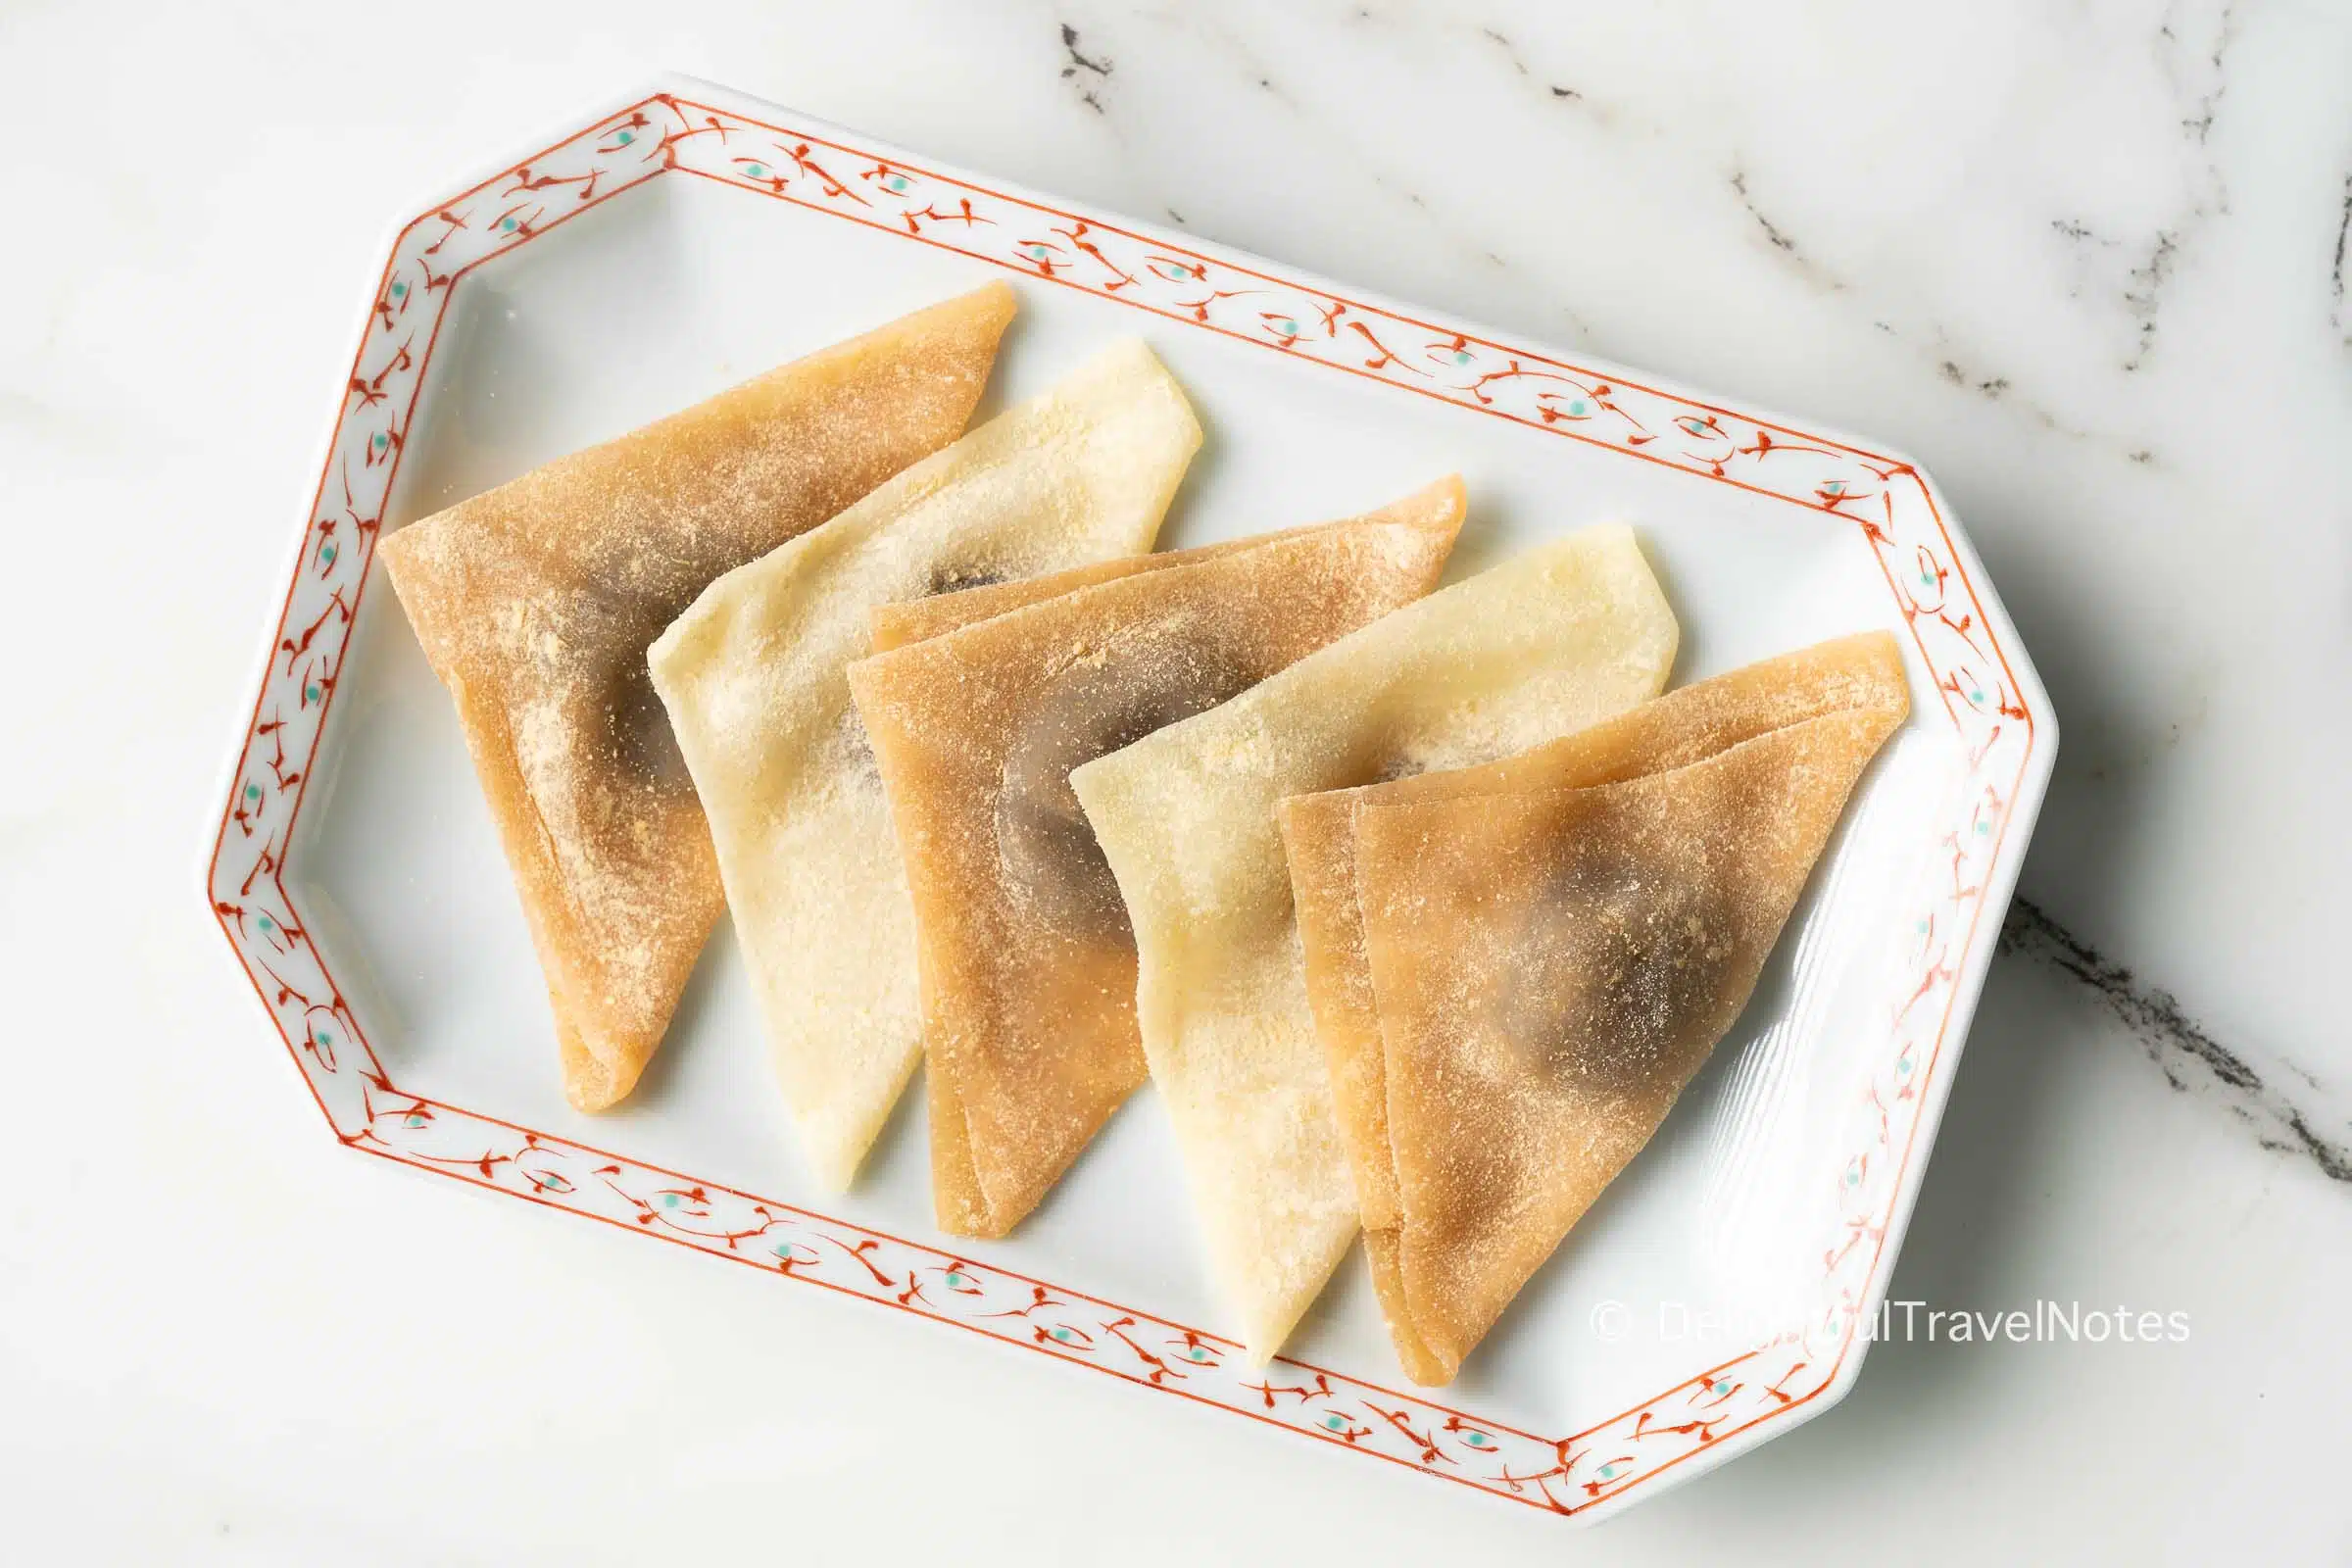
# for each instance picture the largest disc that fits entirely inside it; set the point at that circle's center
(1437, 507)
(1854, 685)
(1681, 726)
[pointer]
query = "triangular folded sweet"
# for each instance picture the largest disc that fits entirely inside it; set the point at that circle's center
(754, 679)
(1546, 642)
(535, 600)
(1550, 964)
(1319, 837)
(1027, 965)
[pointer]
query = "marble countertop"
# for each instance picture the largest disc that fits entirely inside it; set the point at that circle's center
(2087, 262)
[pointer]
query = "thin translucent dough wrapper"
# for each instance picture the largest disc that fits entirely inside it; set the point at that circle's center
(896, 625)
(1027, 967)
(534, 602)
(752, 676)
(1551, 967)
(1547, 642)
(958, 1202)
(1683, 726)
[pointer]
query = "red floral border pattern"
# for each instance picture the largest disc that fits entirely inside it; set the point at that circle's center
(1888, 502)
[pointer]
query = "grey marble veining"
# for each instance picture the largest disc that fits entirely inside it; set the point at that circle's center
(2191, 1059)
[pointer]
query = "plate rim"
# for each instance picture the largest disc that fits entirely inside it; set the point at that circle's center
(405, 1127)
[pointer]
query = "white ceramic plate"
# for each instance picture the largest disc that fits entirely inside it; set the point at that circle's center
(662, 250)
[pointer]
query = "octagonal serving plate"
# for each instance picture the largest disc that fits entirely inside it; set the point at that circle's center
(674, 243)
